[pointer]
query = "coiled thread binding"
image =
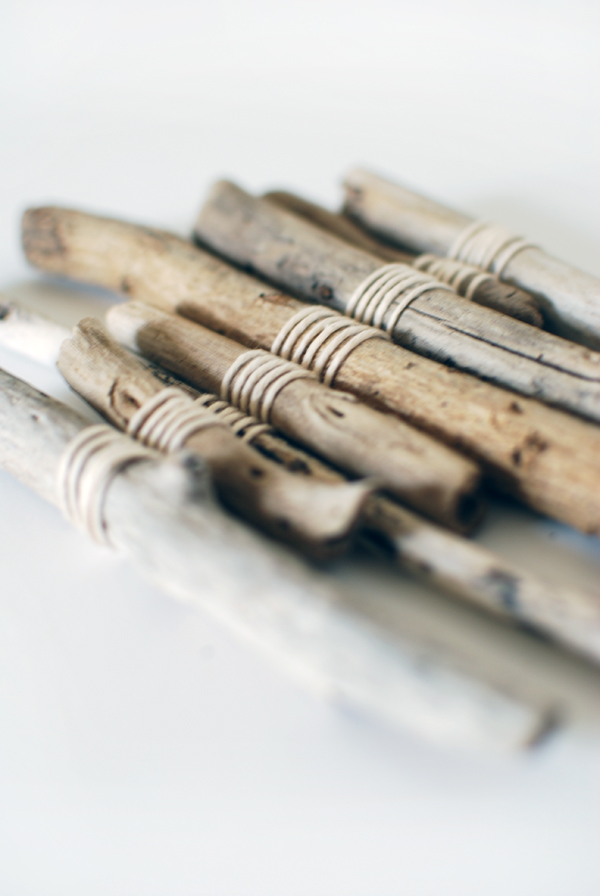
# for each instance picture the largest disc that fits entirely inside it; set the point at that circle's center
(320, 340)
(391, 288)
(488, 246)
(86, 469)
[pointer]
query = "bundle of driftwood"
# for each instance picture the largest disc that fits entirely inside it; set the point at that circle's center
(371, 403)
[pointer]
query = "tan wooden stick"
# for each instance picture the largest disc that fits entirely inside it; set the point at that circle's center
(317, 266)
(162, 515)
(467, 280)
(547, 459)
(461, 568)
(318, 517)
(357, 438)
(570, 297)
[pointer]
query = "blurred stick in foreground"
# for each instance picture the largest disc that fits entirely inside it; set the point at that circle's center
(161, 513)
(98, 368)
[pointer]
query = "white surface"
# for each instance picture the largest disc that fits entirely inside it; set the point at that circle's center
(142, 750)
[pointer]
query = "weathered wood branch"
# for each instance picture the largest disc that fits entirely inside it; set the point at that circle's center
(356, 438)
(491, 291)
(570, 297)
(320, 518)
(546, 458)
(161, 513)
(461, 568)
(319, 267)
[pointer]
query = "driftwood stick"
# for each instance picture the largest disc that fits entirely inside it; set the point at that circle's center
(438, 558)
(547, 459)
(357, 438)
(161, 513)
(570, 297)
(466, 280)
(319, 267)
(318, 517)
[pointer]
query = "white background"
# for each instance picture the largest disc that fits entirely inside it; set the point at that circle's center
(143, 751)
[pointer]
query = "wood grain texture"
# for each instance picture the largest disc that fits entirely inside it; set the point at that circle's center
(492, 293)
(356, 438)
(319, 267)
(161, 514)
(570, 297)
(548, 459)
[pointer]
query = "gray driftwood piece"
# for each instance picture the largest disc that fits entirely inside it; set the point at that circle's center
(353, 436)
(570, 297)
(162, 514)
(318, 266)
(488, 291)
(438, 558)
(546, 458)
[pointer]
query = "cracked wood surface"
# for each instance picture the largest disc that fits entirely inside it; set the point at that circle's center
(546, 458)
(317, 266)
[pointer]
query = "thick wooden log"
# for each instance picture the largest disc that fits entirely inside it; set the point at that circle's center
(489, 291)
(319, 267)
(570, 297)
(546, 458)
(435, 556)
(161, 513)
(356, 438)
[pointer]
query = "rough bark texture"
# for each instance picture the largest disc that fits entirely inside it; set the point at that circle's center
(162, 515)
(317, 266)
(353, 436)
(546, 458)
(492, 293)
(570, 298)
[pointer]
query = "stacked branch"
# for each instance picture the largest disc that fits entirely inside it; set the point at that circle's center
(547, 459)
(317, 266)
(161, 513)
(103, 373)
(467, 280)
(570, 298)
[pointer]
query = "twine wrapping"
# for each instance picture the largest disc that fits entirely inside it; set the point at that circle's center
(488, 246)
(86, 469)
(320, 340)
(255, 379)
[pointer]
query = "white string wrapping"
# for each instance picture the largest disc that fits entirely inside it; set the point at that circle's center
(488, 246)
(246, 427)
(86, 469)
(392, 287)
(465, 279)
(168, 419)
(320, 340)
(255, 379)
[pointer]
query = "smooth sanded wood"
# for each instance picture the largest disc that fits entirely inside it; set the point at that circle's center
(437, 557)
(570, 297)
(319, 518)
(162, 515)
(492, 293)
(320, 267)
(548, 459)
(407, 463)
